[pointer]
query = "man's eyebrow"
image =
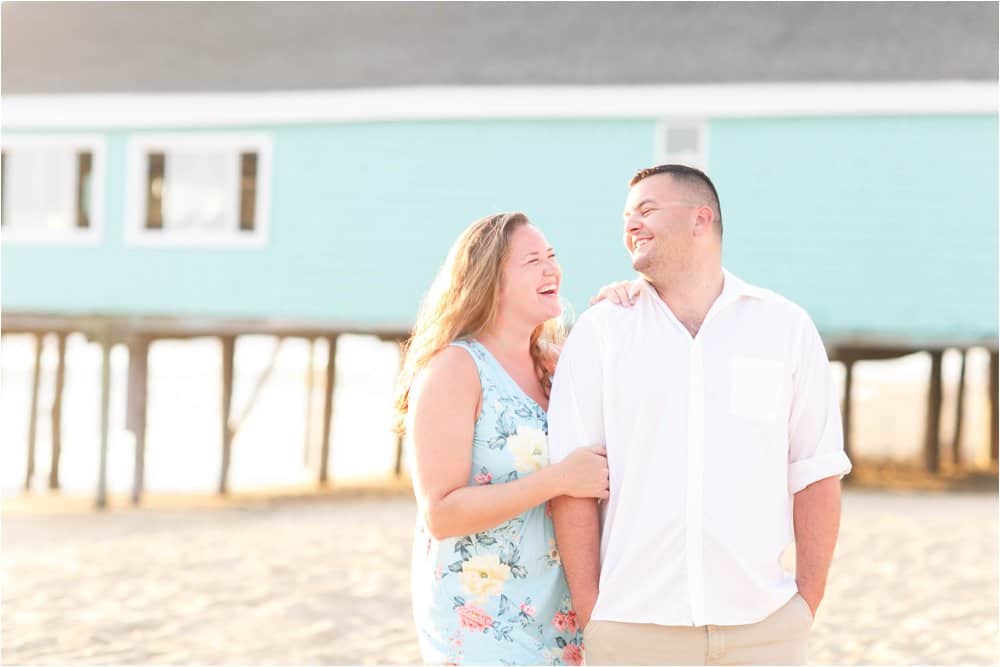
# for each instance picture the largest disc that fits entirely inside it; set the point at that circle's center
(647, 200)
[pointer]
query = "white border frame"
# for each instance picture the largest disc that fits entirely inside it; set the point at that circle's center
(135, 189)
(745, 100)
(700, 158)
(94, 234)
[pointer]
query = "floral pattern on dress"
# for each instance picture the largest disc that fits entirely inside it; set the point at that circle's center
(498, 596)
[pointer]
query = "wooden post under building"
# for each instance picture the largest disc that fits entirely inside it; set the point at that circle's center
(310, 393)
(228, 355)
(331, 375)
(399, 436)
(994, 382)
(33, 415)
(932, 436)
(956, 438)
(138, 383)
(102, 471)
(848, 382)
(56, 414)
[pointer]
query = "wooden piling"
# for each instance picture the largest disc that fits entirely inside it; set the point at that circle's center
(994, 382)
(307, 457)
(138, 364)
(228, 355)
(956, 438)
(56, 413)
(932, 437)
(846, 411)
(102, 470)
(399, 436)
(331, 374)
(399, 455)
(33, 412)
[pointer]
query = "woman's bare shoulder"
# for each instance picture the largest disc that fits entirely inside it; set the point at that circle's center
(450, 368)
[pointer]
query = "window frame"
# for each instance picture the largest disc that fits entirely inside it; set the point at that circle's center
(140, 145)
(93, 234)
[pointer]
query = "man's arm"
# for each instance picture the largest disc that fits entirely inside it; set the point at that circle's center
(816, 522)
(576, 419)
(816, 462)
(578, 534)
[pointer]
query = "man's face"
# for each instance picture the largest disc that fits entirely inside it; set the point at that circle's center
(659, 222)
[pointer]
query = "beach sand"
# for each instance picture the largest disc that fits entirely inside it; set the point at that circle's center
(326, 581)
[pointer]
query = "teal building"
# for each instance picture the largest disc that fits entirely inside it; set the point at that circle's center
(305, 167)
(319, 165)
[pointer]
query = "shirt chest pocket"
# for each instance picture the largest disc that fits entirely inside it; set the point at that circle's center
(758, 388)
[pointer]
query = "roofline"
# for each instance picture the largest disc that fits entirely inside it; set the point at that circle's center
(116, 110)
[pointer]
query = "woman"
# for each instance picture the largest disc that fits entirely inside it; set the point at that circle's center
(487, 583)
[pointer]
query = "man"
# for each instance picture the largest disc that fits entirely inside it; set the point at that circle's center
(715, 401)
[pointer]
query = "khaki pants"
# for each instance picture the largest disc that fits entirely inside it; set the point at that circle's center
(780, 639)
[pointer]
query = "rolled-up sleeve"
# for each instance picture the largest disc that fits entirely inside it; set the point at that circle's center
(576, 417)
(816, 438)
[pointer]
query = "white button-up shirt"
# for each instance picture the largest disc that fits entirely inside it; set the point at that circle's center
(708, 439)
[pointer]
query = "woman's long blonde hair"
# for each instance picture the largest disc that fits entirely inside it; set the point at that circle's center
(464, 299)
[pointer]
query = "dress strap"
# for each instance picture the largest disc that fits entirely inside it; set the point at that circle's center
(475, 350)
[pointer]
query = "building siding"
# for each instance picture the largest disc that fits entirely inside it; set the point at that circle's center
(874, 224)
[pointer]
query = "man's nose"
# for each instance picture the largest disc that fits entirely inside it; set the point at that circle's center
(632, 224)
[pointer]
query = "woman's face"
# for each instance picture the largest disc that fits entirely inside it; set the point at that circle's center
(530, 278)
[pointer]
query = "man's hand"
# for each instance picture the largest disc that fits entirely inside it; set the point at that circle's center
(812, 598)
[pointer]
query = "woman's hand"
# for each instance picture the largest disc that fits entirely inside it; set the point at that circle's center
(622, 293)
(584, 473)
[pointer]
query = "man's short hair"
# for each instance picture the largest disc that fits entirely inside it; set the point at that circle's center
(696, 179)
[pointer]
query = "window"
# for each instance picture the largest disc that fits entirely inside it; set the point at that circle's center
(199, 190)
(51, 189)
(680, 141)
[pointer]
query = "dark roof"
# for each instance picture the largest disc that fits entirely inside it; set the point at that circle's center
(55, 47)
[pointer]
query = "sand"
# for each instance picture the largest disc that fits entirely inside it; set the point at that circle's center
(325, 581)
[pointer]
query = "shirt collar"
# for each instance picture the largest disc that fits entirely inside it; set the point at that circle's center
(733, 287)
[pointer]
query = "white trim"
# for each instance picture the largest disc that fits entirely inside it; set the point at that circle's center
(92, 235)
(664, 155)
(135, 191)
(455, 102)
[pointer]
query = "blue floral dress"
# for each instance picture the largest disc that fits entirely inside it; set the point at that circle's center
(499, 596)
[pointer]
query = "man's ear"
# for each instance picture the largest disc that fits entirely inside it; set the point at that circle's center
(704, 221)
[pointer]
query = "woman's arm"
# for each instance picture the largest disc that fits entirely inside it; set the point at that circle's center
(444, 403)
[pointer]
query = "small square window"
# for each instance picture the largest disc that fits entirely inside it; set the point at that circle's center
(48, 189)
(681, 141)
(199, 190)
